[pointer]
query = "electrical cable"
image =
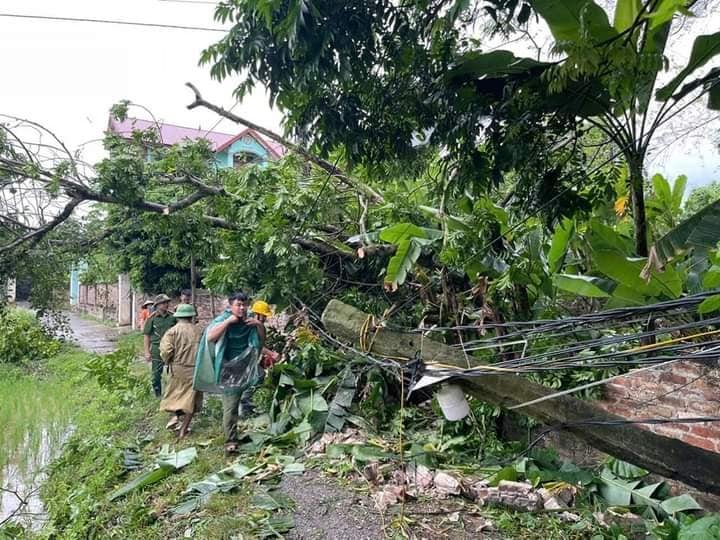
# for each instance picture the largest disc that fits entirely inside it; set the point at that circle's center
(110, 21)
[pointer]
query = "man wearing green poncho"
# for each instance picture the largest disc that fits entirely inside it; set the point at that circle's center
(228, 360)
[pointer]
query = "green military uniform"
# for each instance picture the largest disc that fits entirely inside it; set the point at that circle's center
(155, 327)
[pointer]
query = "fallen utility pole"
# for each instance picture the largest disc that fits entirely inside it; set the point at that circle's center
(668, 457)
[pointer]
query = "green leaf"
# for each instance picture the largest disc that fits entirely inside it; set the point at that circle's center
(395, 234)
(602, 237)
(566, 19)
(711, 279)
(272, 500)
(664, 12)
(275, 526)
(678, 191)
(167, 463)
(681, 503)
(703, 49)
(653, 49)
(714, 97)
(492, 65)
(341, 403)
(362, 452)
(506, 473)
(145, 479)
(627, 271)
(559, 245)
(334, 451)
(176, 460)
(582, 285)
(626, 470)
(701, 230)
(705, 528)
(661, 188)
(709, 305)
(313, 402)
(626, 11)
(402, 262)
(615, 491)
(294, 468)
(624, 295)
(454, 223)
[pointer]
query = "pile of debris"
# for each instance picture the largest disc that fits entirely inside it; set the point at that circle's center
(392, 485)
(417, 481)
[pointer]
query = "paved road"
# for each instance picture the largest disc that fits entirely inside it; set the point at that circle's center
(93, 336)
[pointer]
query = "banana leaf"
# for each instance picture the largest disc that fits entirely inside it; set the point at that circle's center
(340, 405)
(146, 479)
(581, 285)
(564, 19)
(167, 462)
(700, 231)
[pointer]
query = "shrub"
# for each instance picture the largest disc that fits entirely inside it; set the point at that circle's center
(113, 372)
(23, 339)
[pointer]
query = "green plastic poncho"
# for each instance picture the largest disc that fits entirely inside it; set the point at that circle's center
(214, 373)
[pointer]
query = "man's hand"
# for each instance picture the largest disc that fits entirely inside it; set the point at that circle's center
(254, 322)
(148, 357)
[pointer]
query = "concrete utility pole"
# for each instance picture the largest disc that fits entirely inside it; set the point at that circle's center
(668, 457)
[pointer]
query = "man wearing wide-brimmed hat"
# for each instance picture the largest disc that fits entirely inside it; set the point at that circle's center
(144, 313)
(154, 329)
(178, 349)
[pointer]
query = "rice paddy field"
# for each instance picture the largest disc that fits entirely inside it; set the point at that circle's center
(35, 418)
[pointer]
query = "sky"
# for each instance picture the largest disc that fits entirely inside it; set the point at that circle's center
(66, 75)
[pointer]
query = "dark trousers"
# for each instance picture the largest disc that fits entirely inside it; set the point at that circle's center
(233, 402)
(231, 405)
(157, 369)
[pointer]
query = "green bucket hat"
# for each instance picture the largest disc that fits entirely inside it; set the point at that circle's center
(161, 298)
(184, 310)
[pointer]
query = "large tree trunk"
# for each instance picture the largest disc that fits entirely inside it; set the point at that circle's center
(671, 458)
(637, 191)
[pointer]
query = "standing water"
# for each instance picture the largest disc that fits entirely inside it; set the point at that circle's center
(34, 422)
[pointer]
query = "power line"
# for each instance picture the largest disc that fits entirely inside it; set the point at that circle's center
(190, 2)
(110, 21)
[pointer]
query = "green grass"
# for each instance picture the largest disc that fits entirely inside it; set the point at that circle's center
(34, 415)
(133, 339)
(91, 467)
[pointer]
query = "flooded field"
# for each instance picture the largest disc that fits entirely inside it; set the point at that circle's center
(34, 421)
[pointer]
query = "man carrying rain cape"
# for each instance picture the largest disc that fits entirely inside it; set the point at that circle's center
(228, 360)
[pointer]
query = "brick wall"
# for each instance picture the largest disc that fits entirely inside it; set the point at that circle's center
(207, 304)
(680, 390)
(99, 300)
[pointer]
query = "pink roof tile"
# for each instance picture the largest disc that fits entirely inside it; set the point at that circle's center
(172, 134)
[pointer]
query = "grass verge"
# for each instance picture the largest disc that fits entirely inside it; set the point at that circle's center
(91, 464)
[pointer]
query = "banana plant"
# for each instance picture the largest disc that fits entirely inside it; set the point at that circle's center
(616, 275)
(621, 61)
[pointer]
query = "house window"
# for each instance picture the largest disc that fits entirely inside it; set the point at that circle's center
(245, 158)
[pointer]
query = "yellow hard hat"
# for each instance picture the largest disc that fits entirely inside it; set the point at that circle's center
(261, 308)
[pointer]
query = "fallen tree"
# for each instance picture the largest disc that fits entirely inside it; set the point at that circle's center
(668, 457)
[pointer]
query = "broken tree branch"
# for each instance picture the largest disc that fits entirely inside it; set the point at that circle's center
(36, 235)
(323, 164)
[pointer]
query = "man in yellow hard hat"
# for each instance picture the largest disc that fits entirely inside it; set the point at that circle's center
(261, 311)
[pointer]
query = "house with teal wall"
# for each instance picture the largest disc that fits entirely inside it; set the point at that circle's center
(231, 150)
